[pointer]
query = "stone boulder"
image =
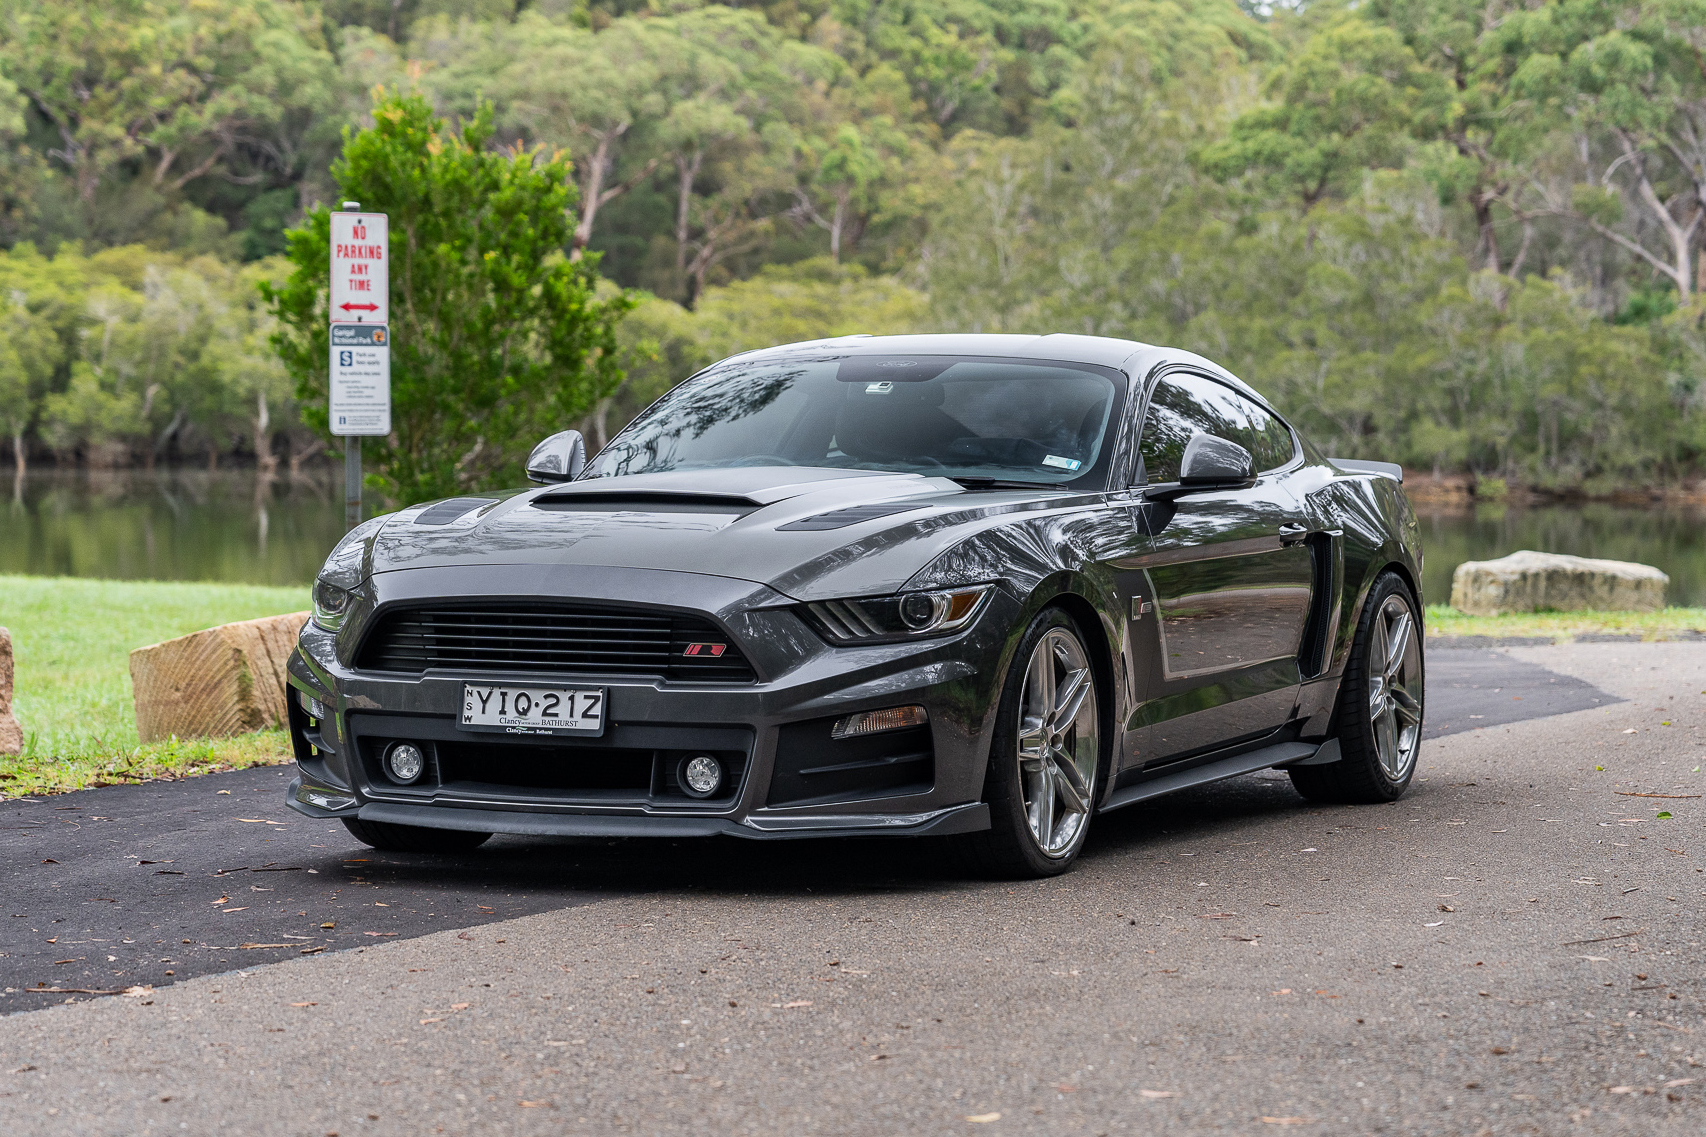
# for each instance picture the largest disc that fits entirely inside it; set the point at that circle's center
(226, 680)
(1531, 582)
(11, 734)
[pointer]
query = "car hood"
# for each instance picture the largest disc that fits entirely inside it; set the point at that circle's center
(779, 526)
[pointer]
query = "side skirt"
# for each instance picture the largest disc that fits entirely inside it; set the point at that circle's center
(1279, 754)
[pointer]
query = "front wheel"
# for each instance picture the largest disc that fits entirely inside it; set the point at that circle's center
(1379, 719)
(393, 838)
(1046, 760)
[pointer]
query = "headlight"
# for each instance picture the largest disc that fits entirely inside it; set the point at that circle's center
(908, 615)
(343, 571)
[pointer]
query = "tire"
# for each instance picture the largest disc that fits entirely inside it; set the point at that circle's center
(1378, 721)
(1046, 763)
(413, 838)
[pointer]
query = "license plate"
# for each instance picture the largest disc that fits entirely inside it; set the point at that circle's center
(532, 710)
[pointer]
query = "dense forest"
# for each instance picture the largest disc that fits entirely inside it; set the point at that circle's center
(1466, 236)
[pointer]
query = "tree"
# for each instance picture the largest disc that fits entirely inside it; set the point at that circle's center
(497, 337)
(29, 353)
(1340, 108)
(166, 95)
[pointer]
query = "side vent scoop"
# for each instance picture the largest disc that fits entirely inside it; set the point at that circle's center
(841, 518)
(447, 511)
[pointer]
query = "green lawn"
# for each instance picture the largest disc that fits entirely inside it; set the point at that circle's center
(72, 640)
(1443, 620)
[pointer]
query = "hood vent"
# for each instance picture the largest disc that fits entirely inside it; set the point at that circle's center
(840, 518)
(447, 511)
(646, 503)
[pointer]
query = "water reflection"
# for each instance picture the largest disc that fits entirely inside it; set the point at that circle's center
(171, 525)
(1671, 538)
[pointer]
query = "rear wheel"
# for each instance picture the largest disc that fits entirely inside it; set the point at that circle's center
(1046, 760)
(1379, 718)
(413, 838)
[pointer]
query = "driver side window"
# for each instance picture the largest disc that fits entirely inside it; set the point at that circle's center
(1185, 405)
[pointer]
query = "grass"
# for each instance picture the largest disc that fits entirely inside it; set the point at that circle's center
(1669, 623)
(72, 640)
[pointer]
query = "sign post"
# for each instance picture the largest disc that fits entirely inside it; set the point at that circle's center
(360, 311)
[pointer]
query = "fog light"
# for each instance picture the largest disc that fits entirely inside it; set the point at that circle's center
(874, 722)
(310, 704)
(404, 762)
(701, 775)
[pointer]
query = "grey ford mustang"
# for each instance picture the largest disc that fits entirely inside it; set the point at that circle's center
(981, 586)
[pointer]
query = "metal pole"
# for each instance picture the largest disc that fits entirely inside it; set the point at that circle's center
(352, 481)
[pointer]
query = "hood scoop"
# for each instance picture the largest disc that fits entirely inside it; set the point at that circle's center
(840, 518)
(447, 511)
(631, 502)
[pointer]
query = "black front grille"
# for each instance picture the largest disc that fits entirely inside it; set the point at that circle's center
(557, 639)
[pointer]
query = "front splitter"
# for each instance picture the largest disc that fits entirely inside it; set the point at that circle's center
(968, 818)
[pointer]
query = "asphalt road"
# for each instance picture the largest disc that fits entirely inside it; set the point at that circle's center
(1514, 948)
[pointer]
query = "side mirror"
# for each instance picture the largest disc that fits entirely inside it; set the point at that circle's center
(560, 458)
(1209, 462)
(1213, 461)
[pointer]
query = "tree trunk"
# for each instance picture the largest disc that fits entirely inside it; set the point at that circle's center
(264, 459)
(686, 171)
(1483, 204)
(593, 195)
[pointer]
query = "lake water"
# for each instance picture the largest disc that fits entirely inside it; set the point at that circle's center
(196, 525)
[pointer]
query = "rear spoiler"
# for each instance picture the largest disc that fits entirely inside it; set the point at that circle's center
(1382, 469)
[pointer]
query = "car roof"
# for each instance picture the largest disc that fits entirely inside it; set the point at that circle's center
(1134, 358)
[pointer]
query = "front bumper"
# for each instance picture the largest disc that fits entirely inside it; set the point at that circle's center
(788, 777)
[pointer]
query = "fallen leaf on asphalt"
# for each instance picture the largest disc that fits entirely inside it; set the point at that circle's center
(533, 1104)
(1446, 908)
(1154, 1094)
(460, 1006)
(251, 947)
(330, 924)
(244, 908)
(379, 933)
(1282, 991)
(1631, 793)
(305, 1004)
(1621, 1090)
(1435, 924)
(1066, 1089)
(312, 950)
(982, 1118)
(797, 1003)
(1288, 1120)
(1674, 1082)
(50, 861)
(1216, 915)
(1662, 815)
(437, 1020)
(57, 962)
(136, 992)
(254, 820)
(1596, 959)
(221, 900)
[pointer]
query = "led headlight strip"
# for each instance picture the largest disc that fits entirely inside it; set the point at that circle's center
(904, 616)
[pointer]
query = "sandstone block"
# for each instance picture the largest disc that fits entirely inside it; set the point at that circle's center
(223, 681)
(11, 734)
(1528, 581)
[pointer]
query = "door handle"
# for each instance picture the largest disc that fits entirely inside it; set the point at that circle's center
(1293, 534)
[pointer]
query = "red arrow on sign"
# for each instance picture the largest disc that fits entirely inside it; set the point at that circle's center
(368, 307)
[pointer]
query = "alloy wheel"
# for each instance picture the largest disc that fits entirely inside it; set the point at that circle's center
(1394, 703)
(1058, 742)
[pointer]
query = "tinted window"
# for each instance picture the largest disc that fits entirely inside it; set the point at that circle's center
(1184, 405)
(938, 415)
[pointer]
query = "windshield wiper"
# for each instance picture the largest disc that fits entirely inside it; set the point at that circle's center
(974, 482)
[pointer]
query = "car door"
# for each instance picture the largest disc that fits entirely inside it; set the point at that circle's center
(1227, 575)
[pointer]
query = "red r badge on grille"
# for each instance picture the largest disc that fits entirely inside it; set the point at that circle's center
(712, 650)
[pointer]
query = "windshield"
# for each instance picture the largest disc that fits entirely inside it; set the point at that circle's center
(968, 418)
